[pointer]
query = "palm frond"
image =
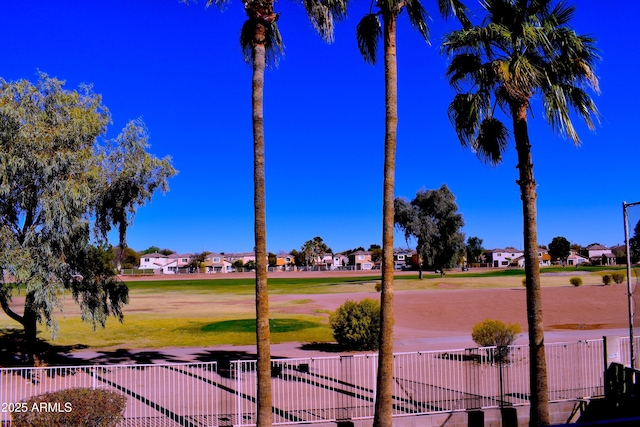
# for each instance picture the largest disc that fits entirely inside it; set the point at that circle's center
(491, 141)
(368, 32)
(562, 14)
(465, 67)
(323, 13)
(418, 17)
(219, 3)
(272, 40)
(455, 8)
(465, 112)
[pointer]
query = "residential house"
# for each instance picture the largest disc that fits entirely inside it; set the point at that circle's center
(544, 259)
(159, 263)
(285, 262)
(599, 254)
(361, 260)
(576, 259)
(339, 261)
(183, 262)
(215, 263)
(325, 261)
(400, 258)
(503, 257)
(245, 257)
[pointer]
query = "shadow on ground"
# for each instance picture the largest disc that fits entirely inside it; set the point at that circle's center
(13, 350)
(324, 347)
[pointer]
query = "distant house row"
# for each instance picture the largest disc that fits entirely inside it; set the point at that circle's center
(361, 260)
(595, 254)
(224, 263)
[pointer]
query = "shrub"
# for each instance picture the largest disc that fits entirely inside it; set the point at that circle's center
(524, 282)
(576, 281)
(618, 277)
(73, 407)
(606, 279)
(495, 333)
(378, 286)
(356, 326)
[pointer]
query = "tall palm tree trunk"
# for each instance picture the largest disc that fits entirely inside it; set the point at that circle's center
(263, 338)
(539, 415)
(384, 402)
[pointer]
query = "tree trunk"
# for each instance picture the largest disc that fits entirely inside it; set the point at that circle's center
(29, 322)
(384, 396)
(538, 366)
(263, 339)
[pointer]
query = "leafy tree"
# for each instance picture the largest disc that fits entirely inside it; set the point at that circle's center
(350, 251)
(261, 42)
(523, 50)
(59, 188)
(432, 218)
(273, 259)
(560, 248)
(127, 257)
(474, 249)
(151, 250)
(368, 32)
(314, 249)
(298, 257)
(238, 265)
(197, 262)
(376, 252)
(167, 251)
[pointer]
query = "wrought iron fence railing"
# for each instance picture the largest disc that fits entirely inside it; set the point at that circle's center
(321, 389)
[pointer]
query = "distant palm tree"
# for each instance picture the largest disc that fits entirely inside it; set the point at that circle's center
(368, 31)
(523, 48)
(261, 43)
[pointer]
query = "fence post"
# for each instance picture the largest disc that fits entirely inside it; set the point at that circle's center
(611, 351)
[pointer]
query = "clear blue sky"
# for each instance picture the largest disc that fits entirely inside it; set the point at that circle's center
(181, 69)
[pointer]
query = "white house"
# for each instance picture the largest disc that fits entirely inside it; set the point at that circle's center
(158, 263)
(504, 257)
(339, 261)
(544, 259)
(576, 259)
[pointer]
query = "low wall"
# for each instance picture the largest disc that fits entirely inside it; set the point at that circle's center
(559, 412)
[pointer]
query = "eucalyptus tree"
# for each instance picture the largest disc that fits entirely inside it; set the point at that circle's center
(523, 50)
(432, 218)
(61, 191)
(261, 43)
(368, 33)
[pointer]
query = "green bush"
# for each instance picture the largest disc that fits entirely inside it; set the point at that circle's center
(606, 279)
(378, 286)
(524, 282)
(576, 281)
(618, 277)
(356, 325)
(491, 333)
(72, 407)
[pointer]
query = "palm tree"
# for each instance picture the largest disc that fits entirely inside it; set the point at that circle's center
(523, 48)
(368, 31)
(261, 43)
